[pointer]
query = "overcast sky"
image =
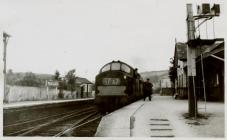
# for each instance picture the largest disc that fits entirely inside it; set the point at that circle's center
(49, 35)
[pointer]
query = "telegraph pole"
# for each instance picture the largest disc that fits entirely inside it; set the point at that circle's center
(191, 70)
(5, 41)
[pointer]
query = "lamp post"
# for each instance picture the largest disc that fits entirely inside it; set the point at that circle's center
(5, 41)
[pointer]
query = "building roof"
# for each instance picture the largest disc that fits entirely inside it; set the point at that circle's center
(80, 80)
(216, 49)
(181, 50)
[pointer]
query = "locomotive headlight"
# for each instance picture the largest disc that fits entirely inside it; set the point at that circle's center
(125, 77)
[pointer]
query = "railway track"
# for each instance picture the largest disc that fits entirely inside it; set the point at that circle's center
(71, 123)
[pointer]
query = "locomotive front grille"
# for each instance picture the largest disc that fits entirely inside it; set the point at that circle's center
(111, 90)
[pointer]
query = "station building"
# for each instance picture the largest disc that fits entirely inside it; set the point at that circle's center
(209, 68)
(84, 87)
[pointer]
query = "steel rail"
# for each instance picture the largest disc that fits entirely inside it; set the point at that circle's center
(20, 131)
(70, 128)
(43, 118)
(24, 130)
(53, 122)
(85, 123)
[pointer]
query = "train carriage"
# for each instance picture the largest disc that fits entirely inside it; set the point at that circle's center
(116, 85)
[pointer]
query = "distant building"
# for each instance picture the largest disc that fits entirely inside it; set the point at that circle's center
(84, 87)
(51, 85)
(166, 87)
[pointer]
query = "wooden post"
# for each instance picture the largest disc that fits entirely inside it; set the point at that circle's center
(204, 85)
(5, 41)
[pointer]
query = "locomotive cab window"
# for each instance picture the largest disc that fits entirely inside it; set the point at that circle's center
(115, 66)
(106, 68)
(125, 68)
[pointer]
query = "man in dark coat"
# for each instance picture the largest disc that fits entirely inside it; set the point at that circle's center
(147, 90)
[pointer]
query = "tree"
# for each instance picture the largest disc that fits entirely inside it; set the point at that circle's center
(61, 86)
(57, 75)
(172, 71)
(71, 80)
(61, 83)
(9, 77)
(30, 79)
(10, 71)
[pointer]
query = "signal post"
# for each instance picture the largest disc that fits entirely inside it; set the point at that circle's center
(191, 73)
(207, 13)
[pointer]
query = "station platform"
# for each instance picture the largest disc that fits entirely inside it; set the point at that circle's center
(163, 116)
(37, 103)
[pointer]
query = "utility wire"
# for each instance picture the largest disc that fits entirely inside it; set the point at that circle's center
(213, 28)
(206, 30)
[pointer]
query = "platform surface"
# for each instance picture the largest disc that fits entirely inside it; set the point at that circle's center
(35, 103)
(117, 124)
(162, 117)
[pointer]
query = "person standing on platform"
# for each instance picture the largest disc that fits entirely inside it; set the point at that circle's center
(147, 90)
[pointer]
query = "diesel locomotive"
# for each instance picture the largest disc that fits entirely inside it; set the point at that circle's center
(116, 85)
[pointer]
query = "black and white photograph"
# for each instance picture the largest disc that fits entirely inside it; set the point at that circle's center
(112, 69)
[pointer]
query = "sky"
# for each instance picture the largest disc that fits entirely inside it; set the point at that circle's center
(50, 35)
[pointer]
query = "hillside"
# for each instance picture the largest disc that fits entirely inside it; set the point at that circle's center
(155, 76)
(15, 78)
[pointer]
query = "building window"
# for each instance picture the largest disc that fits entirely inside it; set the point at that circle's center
(217, 80)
